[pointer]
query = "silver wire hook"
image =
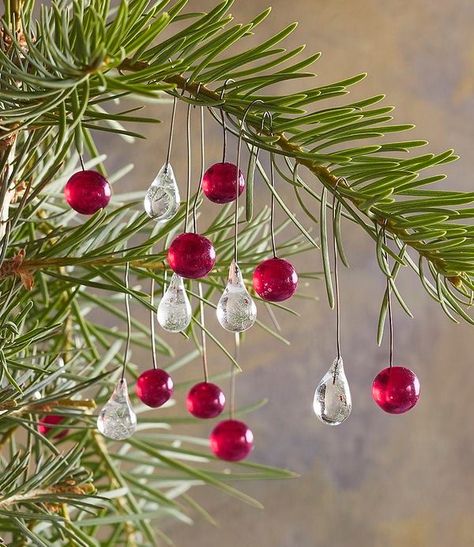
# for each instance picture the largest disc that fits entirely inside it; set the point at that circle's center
(237, 175)
(224, 126)
(336, 272)
(129, 321)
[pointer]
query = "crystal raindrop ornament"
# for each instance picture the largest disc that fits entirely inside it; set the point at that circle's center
(396, 389)
(191, 255)
(117, 420)
(236, 310)
(162, 198)
(87, 192)
(275, 280)
(231, 440)
(219, 182)
(332, 402)
(174, 310)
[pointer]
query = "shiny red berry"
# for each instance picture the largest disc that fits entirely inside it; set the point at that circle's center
(191, 255)
(219, 182)
(231, 440)
(396, 389)
(154, 387)
(47, 423)
(87, 192)
(275, 279)
(205, 400)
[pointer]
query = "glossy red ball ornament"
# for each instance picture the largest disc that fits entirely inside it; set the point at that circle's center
(396, 389)
(87, 192)
(47, 423)
(275, 279)
(191, 255)
(219, 182)
(231, 440)
(205, 400)
(154, 387)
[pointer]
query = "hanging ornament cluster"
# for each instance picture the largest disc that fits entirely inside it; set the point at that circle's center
(191, 256)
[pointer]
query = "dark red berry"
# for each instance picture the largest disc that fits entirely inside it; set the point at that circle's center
(205, 400)
(219, 182)
(154, 387)
(231, 440)
(275, 280)
(87, 192)
(191, 255)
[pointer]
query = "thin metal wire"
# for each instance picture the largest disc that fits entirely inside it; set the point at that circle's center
(232, 376)
(269, 115)
(336, 278)
(152, 323)
(170, 140)
(203, 334)
(189, 154)
(237, 176)
(389, 306)
(224, 136)
(224, 126)
(203, 165)
(272, 206)
(129, 322)
(81, 161)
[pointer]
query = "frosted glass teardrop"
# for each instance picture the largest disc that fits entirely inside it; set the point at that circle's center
(117, 420)
(236, 310)
(162, 198)
(174, 309)
(332, 402)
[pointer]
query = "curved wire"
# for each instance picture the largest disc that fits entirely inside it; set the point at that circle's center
(129, 322)
(224, 126)
(269, 115)
(237, 176)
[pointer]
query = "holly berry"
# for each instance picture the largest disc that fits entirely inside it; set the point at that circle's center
(47, 423)
(205, 400)
(275, 279)
(87, 192)
(396, 389)
(219, 182)
(191, 255)
(154, 387)
(231, 440)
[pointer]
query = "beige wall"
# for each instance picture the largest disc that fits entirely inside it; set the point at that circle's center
(377, 480)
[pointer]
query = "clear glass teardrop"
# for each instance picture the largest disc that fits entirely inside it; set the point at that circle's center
(117, 420)
(162, 198)
(236, 310)
(174, 309)
(332, 402)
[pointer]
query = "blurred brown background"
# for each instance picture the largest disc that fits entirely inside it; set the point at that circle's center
(377, 479)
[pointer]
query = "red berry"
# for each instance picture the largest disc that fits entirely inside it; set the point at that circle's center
(154, 387)
(396, 389)
(205, 400)
(231, 440)
(275, 279)
(44, 426)
(220, 181)
(191, 255)
(87, 192)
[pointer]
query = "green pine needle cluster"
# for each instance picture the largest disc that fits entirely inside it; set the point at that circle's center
(63, 69)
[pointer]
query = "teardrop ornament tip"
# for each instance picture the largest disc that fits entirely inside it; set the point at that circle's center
(332, 402)
(162, 199)
(174, 310)
(236, 310)
(117, 420)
